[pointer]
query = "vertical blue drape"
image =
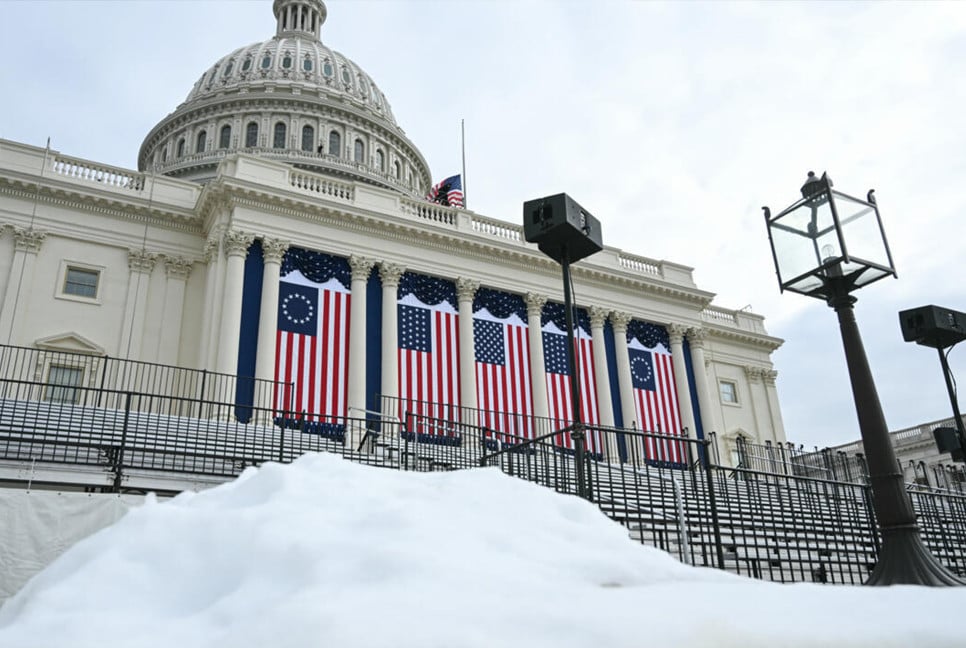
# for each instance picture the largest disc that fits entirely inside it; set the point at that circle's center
(248, 332)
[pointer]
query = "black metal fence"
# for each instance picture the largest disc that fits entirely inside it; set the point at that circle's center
(781, 515)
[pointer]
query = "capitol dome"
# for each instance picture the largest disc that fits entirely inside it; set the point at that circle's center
(292, 99)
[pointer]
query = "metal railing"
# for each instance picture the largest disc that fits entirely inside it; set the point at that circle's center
(779, 515)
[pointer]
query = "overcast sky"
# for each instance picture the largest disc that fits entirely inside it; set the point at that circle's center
(673, 123)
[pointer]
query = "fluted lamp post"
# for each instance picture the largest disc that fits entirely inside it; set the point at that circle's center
(828, 244)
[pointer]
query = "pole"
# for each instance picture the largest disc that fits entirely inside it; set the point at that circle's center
(951, 390)
(463, 151)
(577, 428)
(903, 558)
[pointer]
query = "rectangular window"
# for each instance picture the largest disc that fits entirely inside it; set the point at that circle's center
(729, 391)
(63, 383)
(81, 282)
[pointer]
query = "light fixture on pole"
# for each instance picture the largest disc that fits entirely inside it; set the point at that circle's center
(565, 232)
(828, 244)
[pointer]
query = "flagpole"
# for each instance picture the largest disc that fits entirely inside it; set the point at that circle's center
(463, 148)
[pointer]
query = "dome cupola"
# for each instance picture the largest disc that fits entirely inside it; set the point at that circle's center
(291, 99)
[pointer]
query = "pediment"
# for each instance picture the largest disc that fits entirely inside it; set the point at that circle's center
(72, 342)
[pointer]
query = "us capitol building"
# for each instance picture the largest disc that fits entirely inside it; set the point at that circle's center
(284, 171)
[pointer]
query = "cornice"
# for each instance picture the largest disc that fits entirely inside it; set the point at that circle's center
(134, 209)
(736, 335)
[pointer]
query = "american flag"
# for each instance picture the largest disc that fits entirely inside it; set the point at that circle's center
(503, 374)
(656, 401)
(448, 192)
(558, 383)
(429, 378)
(312, 347)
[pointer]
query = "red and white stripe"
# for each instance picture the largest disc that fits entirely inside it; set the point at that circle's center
(429, 383)
(316, 364)
(559, 396)
(658, 411)
(503, 391)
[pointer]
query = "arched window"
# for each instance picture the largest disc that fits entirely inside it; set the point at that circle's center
(225, 140)
(164, 154)
(180, 147)
(279, 140)
(308, 138)
(307, 64)
(359, 151)
(287, 61)
(251, 134)
(335, 143)
(380, 160)
(200, 142)
(398, 170)
(266, 61)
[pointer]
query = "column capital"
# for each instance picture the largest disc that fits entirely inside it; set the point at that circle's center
(598, 316)
(620, 321)
(28, 240)
(237, 242)
(696, 337)
(211, 249)
(390, 273)
(466, 288)
(754, 374)
(274, 249)
(361, 267)
(177, 267)
(535, 304)
(676, 332)
(141, 261)
(769, 376)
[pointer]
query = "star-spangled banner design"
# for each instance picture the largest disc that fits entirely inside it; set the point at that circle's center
(503, 390)
(558, 383)
(655, 400)
(312, 348)
(428, 348)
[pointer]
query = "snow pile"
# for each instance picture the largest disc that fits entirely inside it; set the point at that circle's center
(323, 552)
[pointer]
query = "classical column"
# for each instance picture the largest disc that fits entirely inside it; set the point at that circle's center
(273, 250)
(465, 291)
(538, 374)
(626, 384)
(676, 333)
(26, 246)
(214, 282)
(604, 404)
(356, 393)
(771, 393)
(696, 338)
(390, 274)
(236, 244)
(176, 271)
(141, 264)
(756, 399)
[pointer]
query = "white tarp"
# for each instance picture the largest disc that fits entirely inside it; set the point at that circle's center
(37, 526)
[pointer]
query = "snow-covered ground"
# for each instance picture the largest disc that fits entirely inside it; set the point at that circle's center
(323, 552)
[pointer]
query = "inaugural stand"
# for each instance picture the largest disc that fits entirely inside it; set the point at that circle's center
(567, 233)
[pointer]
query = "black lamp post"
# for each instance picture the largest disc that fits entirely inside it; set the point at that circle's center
(827, 245)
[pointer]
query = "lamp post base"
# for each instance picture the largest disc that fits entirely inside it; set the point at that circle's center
(904, 560)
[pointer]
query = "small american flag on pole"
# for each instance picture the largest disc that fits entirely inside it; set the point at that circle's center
(449, 192)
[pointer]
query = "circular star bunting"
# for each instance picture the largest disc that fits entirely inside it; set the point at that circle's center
(297, 308)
